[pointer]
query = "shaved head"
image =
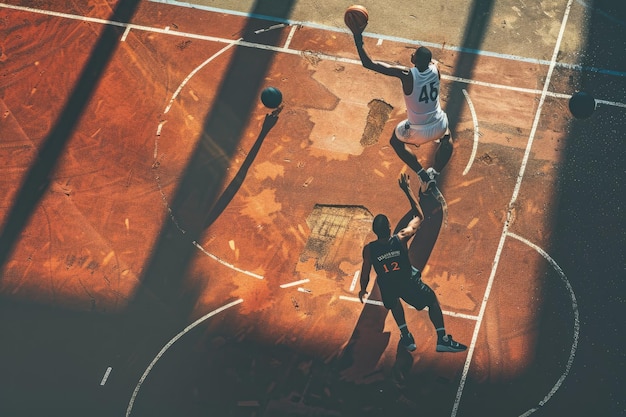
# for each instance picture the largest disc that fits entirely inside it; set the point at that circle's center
(380, 226)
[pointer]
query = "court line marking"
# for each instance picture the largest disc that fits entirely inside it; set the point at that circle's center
(354, 280)
(380, 303)
(106, 376)
(195, 70)
(568, 285)
(292, 32)
(470, 162)
(295, 283)
(179, 89)
(169, 345)
(331, 57)
(226, 264)
(387, 37)
(544, 93)
(507, 223)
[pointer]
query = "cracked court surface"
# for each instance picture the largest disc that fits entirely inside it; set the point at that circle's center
(119, 247)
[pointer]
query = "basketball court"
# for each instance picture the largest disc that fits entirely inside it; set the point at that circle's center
(172, 247)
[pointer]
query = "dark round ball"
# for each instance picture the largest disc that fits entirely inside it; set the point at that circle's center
(271, 97)
(582, 105)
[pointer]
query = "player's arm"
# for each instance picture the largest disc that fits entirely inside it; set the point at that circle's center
(380, 67)
(416, 221)
(366, 268)
(436, 63)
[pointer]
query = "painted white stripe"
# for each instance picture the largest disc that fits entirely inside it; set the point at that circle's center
(460, 315)
(354, 280)
(390, 38)
(453, 314)
(365, 300)
(507, 223)
(335, 58)
(295, 283)
(304, 290)
(570, 360)
(476, 132)
(380, 303)
(292, 32)
(106, 376)
(227, 264)
(156, 140)
(168, 345)
(126, 32)
(198, 68)
(277, 26)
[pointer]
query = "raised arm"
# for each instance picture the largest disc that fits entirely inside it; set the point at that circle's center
(380, 67)
(416, 221)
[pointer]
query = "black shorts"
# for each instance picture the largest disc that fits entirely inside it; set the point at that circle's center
(412, 290)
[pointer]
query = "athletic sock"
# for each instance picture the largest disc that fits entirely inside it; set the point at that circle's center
(441, 332)
(423, 175)
(404, 329)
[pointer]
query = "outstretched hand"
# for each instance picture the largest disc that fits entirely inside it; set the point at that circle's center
(362, 294)
(403, 182)
(271, 119)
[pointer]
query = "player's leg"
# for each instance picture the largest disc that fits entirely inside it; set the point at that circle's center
(409, 159)
(443, 153)
(405, 155)
(397, 311)
(445, 343)
(423, 296)
(445, 148)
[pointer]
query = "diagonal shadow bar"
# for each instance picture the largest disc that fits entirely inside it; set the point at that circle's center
(198, 189)
(475, 30)
(37, 178)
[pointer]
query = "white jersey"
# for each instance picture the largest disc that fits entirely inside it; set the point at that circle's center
(426, 121)
(422, 105)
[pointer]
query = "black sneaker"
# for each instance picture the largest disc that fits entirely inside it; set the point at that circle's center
(408, 342)
(447, 344)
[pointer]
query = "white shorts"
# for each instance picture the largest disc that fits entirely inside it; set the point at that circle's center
(420, 134)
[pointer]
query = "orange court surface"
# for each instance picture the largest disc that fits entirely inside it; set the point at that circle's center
(171, 247)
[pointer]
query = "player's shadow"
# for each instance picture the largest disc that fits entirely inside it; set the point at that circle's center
(233, 187)
(358, 360)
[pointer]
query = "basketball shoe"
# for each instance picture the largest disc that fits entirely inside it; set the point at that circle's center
(408, 342)
(447, 344)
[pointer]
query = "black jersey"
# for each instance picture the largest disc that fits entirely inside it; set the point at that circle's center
(390, 259)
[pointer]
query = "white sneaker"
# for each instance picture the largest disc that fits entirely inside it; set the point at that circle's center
(432, 182)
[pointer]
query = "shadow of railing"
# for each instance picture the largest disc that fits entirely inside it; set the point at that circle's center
(75, 344)
(37, 178)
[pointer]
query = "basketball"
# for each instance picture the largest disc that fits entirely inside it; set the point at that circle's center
(271, 97)
(356, 18)
(582, 105)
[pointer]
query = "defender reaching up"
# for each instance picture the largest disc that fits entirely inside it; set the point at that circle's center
(397, 278)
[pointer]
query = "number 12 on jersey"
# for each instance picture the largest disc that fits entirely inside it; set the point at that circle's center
(391, 266)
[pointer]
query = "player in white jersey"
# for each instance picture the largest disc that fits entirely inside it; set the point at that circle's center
(426, 121)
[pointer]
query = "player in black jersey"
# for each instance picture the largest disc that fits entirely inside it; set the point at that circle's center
(397, 278)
